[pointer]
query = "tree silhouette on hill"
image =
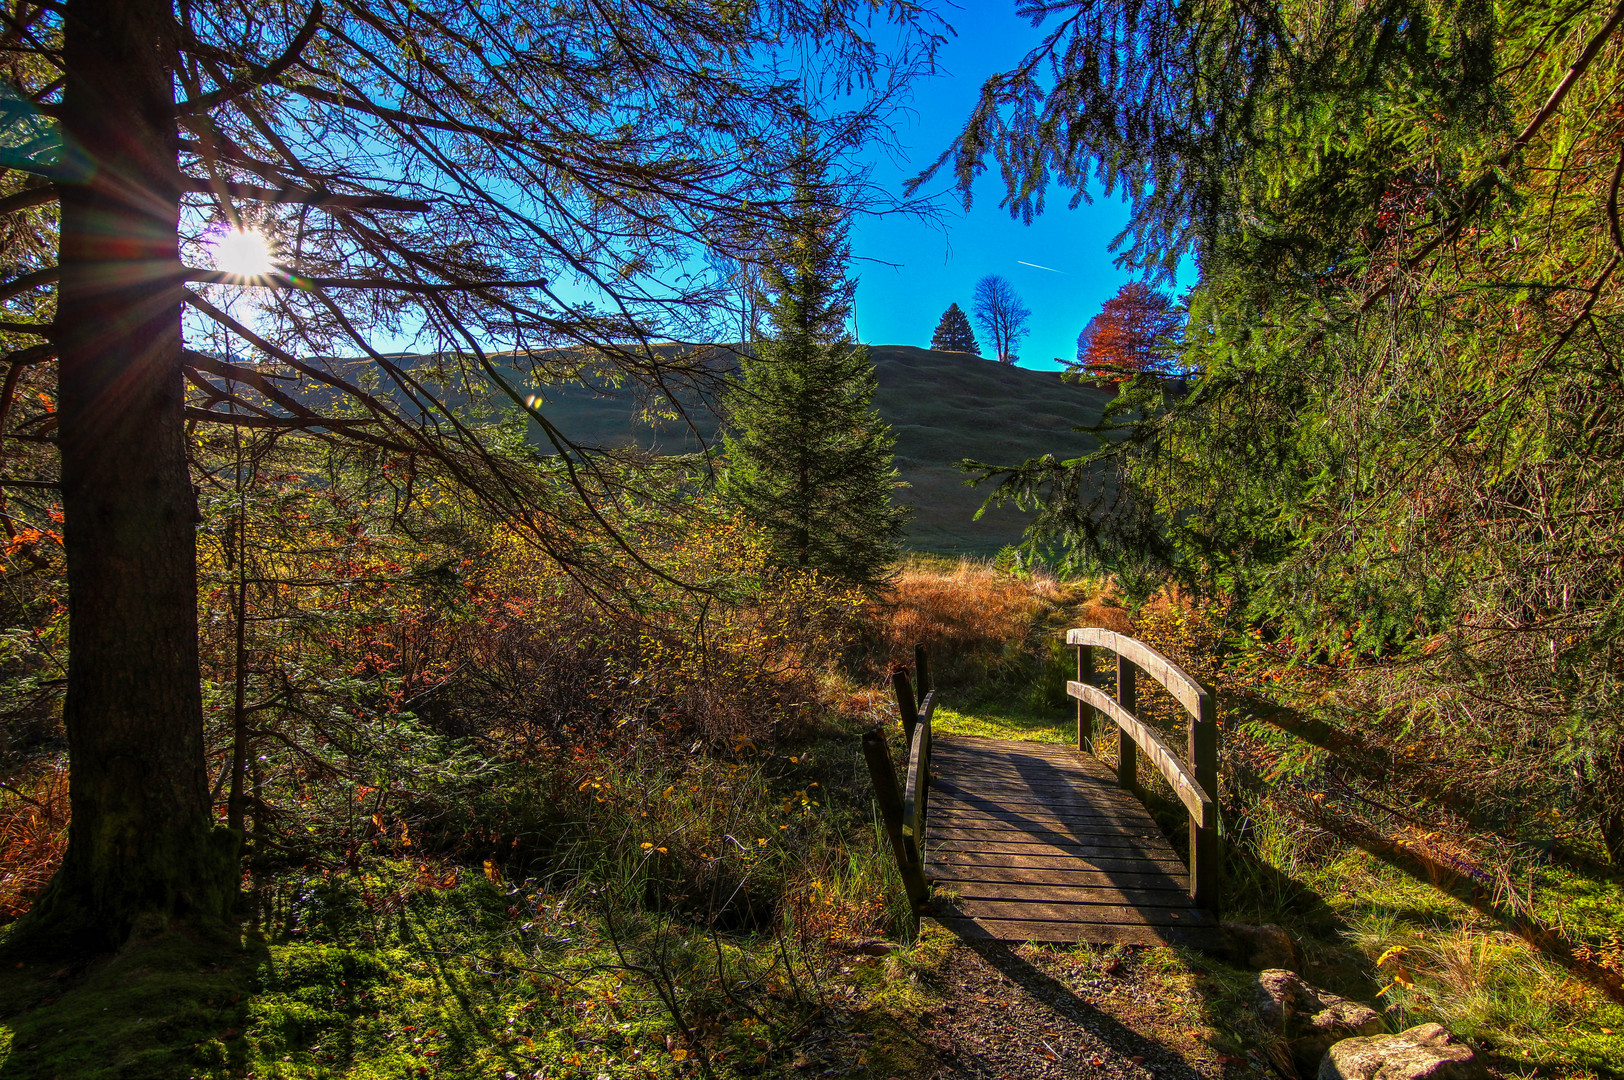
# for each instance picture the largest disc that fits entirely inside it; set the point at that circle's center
(953, 333)
(1001, 315)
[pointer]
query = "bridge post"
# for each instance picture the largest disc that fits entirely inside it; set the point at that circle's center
(1127, 751)
(883, 774)
(922, 672)
(1205, 853)
(1085, 712)
(907, 704)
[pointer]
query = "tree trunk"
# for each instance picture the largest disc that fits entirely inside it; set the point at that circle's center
(142, 851)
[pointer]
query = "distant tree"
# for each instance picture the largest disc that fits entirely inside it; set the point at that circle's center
(1138, 329)
(808, 458)
(953, 333)
(1001, 315)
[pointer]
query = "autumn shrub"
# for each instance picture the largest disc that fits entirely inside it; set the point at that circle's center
(33, 835)
(976, 620)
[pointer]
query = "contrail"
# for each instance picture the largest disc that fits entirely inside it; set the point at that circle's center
(1035, 266)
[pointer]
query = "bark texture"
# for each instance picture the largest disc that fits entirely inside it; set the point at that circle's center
(141, 844)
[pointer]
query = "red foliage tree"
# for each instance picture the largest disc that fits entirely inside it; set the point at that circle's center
(1138, 329)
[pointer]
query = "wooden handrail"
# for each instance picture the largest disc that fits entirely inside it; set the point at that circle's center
(905, 811)
(1161, 755)
(1195, 780)
(1177, 681)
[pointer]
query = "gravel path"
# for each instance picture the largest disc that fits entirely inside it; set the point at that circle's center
(1004, 1016)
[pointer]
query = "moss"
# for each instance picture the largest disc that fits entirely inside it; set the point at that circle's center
(161, 1004)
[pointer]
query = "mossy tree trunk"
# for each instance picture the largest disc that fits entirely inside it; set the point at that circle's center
(141, 847)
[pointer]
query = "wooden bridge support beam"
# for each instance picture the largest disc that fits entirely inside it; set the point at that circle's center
(1085, 712)
(884, 776)
(1205, 852)
(1127, 752)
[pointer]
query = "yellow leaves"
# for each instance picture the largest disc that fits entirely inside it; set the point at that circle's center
(492, 873)
(1401, 974)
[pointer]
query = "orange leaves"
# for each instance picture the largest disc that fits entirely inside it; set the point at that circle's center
(27, 539)
(33, 835)
(1133, 332)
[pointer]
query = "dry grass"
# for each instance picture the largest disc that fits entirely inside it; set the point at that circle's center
(33, 834)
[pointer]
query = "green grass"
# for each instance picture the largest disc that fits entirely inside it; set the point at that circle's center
(944, 407)
(626, 952)
(1009, 721)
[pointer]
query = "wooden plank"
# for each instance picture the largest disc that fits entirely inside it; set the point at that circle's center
(1178, 682)
(943, 862)
(960, 782)
(1143, 844)
(1178, 774)
(1026, 801)
(1071, 932)
(1126, 893)
(1120, 914)
(1041, 877)
(1022, 844)
(1100, 817)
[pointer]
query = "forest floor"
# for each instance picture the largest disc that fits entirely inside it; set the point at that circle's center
(402, 970)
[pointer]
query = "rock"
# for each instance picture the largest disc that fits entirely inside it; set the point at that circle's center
(1309, 1019)
(1426, 1052)
(1260, 945)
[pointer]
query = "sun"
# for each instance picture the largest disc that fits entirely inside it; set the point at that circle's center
(243, 252)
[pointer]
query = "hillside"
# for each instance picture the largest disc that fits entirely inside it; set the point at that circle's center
(944, 407)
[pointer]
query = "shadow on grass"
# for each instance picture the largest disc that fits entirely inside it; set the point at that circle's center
(164, 1006)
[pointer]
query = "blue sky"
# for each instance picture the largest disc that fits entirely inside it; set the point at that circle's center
(939, 264)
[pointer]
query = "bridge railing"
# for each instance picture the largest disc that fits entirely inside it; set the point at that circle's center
(904, 807)
(1194, 778)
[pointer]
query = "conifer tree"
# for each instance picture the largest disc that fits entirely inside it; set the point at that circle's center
(953, 333)
(808, 458)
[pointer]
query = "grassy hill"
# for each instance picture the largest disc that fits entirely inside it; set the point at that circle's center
(943, 406)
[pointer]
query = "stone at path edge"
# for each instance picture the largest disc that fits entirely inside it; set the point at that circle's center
(1425, 1052)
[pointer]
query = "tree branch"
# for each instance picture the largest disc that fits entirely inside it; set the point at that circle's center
(238, 87)
(202, 185)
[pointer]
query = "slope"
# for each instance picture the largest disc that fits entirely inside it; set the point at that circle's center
(944, 407)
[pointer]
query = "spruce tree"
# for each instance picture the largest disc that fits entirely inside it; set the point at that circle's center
(808, 458)
(953, 333)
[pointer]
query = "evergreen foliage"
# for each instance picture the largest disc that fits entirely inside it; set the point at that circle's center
(808, 458)
(1401, 452)
(953, 333)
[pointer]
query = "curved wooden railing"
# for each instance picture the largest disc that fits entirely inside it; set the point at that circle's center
(1193, 779)
(904, 810)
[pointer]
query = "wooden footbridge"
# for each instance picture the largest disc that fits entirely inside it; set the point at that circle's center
(1026, 841)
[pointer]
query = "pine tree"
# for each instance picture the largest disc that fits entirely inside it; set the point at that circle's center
(953, 333)
(808, 458)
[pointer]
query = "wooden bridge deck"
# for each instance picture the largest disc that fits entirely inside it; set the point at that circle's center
(1040, 844)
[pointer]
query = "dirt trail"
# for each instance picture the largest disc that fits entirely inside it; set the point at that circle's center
(1027, 1013)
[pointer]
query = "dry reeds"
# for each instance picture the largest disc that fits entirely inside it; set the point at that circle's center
(33, 835)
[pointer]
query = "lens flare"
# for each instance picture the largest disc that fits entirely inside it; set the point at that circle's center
(243, 252)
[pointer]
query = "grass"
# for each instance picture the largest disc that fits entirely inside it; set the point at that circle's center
(943, 407)
(1010, 721)
(689, 917)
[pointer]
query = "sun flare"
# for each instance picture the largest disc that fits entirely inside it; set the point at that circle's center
(243, 252)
